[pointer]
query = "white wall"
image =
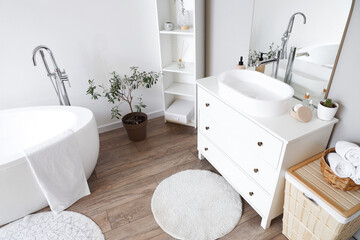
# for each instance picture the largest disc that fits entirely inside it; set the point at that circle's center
(228, 27)
(325, 22)
(346, 84)
(89, 38)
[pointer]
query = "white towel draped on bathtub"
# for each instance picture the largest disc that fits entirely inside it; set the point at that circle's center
(58, 169)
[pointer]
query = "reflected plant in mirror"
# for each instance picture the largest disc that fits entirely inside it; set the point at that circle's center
(317, 42)
(182, 6)
(254, 55)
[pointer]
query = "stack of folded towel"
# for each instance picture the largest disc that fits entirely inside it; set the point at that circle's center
(346, 161)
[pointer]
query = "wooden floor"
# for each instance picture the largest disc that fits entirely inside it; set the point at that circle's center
(127, 174)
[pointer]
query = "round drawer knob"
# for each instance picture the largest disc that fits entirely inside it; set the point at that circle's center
(260, 144)
(256, 170)
(251, 193)
(207, 104)
(206, 149)
(207, 128)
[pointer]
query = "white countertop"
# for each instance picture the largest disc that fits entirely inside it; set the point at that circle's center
(284, 126)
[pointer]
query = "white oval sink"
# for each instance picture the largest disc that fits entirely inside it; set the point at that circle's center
(255, 93)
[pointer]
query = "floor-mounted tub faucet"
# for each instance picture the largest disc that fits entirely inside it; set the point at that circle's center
(57, 77)
(289, 66)
(290, 63)
(281, 54)
(286, 36)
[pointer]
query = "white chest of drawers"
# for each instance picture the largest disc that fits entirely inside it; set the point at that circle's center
(252, 153)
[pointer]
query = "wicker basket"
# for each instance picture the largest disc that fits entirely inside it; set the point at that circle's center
(305, 220)
(345, 184)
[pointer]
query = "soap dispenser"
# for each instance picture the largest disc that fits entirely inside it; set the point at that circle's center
(241, 64)
(262, 67)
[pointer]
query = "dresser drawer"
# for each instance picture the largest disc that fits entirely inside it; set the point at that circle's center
(254, 195)
(252, 136)
(236, 149)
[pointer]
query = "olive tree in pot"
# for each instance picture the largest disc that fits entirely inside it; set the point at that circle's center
(121, 90)
(327, 109)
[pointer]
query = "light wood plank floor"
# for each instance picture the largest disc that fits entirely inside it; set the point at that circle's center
(127, 174)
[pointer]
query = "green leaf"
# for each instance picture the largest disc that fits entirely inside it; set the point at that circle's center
(328, 103)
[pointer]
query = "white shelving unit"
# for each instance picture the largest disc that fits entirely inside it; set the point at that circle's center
(179, 88)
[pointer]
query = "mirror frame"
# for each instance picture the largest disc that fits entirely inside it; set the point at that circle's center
(340, 48)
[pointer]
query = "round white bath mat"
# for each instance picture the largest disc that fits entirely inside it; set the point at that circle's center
(47, 225)
(196, 204)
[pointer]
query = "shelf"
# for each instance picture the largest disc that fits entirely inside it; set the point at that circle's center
(190, 123)
(181, 111)
(172, 67)
(178, 85)
(178, 31)
(183, 89)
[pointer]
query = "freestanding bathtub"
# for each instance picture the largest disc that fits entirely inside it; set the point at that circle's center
(24, 127)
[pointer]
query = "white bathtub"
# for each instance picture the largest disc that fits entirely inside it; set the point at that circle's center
(24, 127)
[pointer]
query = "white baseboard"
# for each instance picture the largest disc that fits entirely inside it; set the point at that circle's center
(118, 124)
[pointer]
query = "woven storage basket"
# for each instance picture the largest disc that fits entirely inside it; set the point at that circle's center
(305, 220)
(345, 184)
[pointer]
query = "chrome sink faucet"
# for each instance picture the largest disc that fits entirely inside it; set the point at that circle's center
(281, 54)
(275, 61)
(57, 77)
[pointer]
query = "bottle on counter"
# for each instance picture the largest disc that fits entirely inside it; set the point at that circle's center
(323, 94)
(241, 64)
(307, 102)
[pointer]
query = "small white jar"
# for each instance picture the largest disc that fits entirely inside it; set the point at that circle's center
(325, 113)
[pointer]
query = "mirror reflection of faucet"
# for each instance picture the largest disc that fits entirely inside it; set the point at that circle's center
(286, 36)
(306, 54)
(281, 54)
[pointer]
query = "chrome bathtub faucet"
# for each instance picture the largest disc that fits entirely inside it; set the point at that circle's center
(286, 36)
(57, 77)
(281, 54)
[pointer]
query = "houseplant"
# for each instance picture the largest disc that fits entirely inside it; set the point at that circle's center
(121, 90)
(255, 55)
(327, 109)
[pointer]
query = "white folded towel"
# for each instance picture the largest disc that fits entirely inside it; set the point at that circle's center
(349, 152)
(58, 169)
(356, 177)
(339, 166)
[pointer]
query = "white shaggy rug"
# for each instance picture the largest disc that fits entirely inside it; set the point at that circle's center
(49, 226)
(196, 204)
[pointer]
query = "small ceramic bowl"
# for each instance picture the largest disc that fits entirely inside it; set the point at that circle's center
(169, 26)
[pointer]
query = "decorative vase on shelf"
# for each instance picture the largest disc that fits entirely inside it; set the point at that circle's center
(180, 63)
(168, 26)
(185, 20)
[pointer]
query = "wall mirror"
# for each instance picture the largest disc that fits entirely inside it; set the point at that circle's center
(317, 42)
